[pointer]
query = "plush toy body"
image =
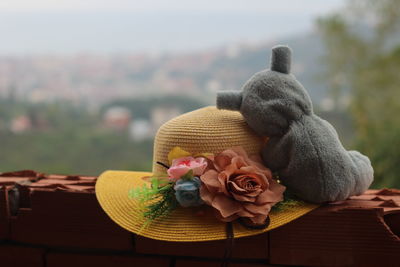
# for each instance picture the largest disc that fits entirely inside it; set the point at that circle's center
(304, 149)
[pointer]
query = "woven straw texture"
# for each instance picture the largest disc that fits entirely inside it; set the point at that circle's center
(206, 130)
(183, 225)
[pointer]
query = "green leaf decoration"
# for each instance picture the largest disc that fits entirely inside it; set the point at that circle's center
(289, 202)
(158, 197)
(188, 176)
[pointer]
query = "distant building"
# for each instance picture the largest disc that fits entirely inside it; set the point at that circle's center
(140, 130)
(21, 124)
(117, 118)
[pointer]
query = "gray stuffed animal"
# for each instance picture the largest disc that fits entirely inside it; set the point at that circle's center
(303, 148)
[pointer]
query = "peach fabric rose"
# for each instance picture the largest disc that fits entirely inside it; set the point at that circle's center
(240, 187)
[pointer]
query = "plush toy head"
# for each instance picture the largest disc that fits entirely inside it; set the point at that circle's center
(269, 85)
(303, 148)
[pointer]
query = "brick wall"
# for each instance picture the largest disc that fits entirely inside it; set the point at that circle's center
(55, 220)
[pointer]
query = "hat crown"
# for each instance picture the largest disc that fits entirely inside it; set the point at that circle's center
(206, 130)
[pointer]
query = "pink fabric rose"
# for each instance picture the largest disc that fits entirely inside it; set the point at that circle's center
(182, 166)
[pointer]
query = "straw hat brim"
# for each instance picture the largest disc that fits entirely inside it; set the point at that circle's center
(183, 224)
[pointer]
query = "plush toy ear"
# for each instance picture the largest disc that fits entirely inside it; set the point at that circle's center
(281, 59)
(231, 100)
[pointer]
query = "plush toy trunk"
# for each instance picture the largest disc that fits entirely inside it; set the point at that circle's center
(55, 220)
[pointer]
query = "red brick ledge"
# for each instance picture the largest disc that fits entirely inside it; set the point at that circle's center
(47, 220)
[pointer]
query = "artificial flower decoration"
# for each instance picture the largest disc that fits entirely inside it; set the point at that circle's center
(187, 192)
(182, 166)
(177, 153)
(240, 187)
(232, 183)
(179, 186)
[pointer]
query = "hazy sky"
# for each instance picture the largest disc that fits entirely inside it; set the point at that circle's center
(292, 6)
(71, 26)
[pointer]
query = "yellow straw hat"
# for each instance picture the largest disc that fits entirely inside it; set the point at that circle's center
(207, 130)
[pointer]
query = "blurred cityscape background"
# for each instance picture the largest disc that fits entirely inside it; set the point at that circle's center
(84, 85)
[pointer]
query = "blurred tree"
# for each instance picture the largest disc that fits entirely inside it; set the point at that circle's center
(68, 138)
(363, 57)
